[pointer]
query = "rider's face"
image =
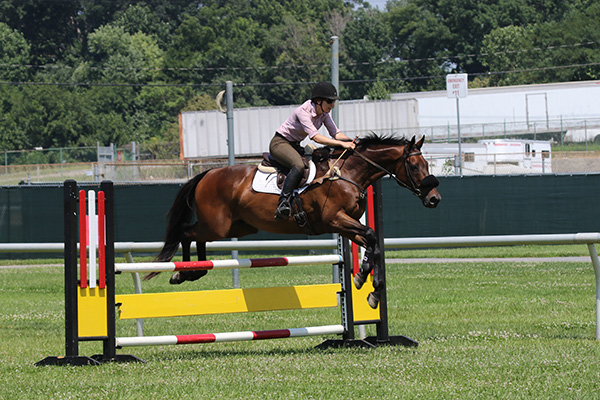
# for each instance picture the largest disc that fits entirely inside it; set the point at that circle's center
(327, 105)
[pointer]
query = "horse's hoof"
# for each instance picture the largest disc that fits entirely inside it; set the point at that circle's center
(182, 276)
(176, 279)
(373, 300)
(195, 275)
(358, 281)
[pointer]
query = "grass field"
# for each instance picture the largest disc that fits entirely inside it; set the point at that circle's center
(485, 330)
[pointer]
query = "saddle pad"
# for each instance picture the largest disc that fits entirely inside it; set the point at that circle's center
(264, 182)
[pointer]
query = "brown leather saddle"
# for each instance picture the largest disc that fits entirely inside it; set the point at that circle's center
(270, 166)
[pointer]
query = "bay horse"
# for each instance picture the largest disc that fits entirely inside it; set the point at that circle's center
(226, 206)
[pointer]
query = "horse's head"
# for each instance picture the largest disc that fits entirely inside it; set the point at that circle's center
(402, 160)
(413, 171)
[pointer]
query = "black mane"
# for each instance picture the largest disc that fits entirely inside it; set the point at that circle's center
(374, 139)
(324, 153)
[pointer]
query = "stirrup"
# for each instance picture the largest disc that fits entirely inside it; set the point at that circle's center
(283, 209)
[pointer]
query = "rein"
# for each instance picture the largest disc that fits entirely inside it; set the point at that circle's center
(413, 188)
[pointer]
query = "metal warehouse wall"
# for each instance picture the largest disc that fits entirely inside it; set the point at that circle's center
(479, 205)
(204, 133)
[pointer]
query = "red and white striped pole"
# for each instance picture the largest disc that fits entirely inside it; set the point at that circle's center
(229, 336)
(228, 264)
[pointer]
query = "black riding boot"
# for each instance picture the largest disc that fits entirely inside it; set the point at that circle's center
(291, 182)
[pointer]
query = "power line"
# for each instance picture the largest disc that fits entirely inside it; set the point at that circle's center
(242, 84)
(86, 84)
(291, 66)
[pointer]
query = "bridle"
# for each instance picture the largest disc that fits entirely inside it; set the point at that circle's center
(427, 184)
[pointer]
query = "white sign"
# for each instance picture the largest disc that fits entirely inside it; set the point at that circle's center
(456, 85)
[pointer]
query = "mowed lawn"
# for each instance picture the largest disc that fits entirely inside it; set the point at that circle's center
(485, 330)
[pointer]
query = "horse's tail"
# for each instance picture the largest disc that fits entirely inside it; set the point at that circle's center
(179, 217)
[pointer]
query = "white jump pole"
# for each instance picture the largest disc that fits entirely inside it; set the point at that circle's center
(228, 264)
(229, 336)
(92, 237)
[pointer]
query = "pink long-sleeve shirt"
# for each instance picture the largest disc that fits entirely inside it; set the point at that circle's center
(304, 121)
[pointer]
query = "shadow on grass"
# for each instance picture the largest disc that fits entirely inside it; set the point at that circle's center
(190, 355)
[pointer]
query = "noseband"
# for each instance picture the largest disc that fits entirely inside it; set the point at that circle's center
(427, 184)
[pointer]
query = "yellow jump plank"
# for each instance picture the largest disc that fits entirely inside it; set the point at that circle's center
(92, 312)
(362, 310)
(177, 304)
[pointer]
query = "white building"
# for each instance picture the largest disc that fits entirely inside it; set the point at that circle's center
(571, 107)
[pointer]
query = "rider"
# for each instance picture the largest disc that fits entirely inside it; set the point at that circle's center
(305, 121)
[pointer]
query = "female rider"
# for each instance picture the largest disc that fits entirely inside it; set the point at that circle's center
(305, 121)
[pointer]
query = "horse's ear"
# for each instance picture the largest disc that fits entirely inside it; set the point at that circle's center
(411, 144)
(420, 143)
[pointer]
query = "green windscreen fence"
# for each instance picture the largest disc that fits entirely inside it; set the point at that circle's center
(482, 205)
(497, 205)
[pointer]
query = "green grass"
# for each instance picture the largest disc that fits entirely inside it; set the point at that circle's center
(494, 252)
(485, 330)
(569, 146)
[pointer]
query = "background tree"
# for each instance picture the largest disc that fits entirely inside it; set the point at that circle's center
(366, 47)
(14, 55)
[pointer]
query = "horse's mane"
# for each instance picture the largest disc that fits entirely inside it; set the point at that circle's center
(375, 139)
(323, 153)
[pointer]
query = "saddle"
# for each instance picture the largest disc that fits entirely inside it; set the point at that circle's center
(270, 166)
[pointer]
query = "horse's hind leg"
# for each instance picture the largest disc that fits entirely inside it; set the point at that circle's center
(182, 276)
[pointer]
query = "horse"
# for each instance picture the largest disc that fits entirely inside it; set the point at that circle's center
(226, 206)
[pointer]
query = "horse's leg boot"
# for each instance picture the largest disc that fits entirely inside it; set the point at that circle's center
(182, 276)
(291, 182)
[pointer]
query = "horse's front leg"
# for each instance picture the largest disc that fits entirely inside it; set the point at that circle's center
(367, 238)
(378, 285)
(370, 262)
(367, 263)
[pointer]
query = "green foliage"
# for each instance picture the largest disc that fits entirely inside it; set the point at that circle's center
(119, 71)
(504, 48)
(14, 51)
(365, 44)
(378, 91)
(200, 102)
(532, 48)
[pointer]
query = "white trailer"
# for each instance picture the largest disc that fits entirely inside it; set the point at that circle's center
(490, 157)
(204, 133)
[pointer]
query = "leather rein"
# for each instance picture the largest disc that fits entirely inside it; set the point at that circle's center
(412, 187)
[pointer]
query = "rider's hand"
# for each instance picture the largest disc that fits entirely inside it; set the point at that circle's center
(348, 145)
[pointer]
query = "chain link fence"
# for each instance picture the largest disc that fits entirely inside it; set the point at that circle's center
(575, 150)
(566, 162)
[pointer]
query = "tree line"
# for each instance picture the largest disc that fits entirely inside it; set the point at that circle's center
(78, 72)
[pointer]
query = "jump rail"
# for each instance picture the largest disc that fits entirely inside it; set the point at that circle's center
(330, 244)
(230, 336)
(227, 264)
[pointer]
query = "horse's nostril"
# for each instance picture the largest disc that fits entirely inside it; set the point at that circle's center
(434, 200)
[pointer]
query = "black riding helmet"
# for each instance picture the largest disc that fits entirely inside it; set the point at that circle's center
(324, 90)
